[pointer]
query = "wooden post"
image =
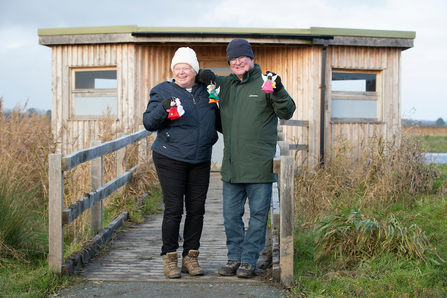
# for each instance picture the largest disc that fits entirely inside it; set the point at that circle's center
(287, 219)
(95, 183)
(56, 205)
(120, 155)
(281, 136)
(283, 147)
(142, 147)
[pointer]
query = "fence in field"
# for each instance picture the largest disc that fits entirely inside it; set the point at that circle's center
(58, 216)
(282, 211)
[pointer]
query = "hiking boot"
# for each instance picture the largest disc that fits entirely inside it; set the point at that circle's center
(190, 264)
(230, 268)
(245, 270)
(171, 265)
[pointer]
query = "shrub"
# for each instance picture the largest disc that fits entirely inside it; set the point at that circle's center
(19, 231)
(351, 234)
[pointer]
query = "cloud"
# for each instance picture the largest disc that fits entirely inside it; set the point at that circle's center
(26, 68)
(26, 65)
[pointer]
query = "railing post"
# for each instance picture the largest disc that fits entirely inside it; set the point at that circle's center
(142, 147)
(56, 205)
(281, 135)
(274, 210)
(120, 156)
(283, 147)
(95, 183)
(287, 219)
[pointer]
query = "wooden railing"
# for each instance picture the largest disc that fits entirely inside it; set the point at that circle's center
(282, 211)
(58, 217)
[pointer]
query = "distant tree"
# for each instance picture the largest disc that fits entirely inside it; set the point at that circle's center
(48, 115)
(440, 122)
(32, 111)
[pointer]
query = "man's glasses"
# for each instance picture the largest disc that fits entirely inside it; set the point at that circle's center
(240, 59)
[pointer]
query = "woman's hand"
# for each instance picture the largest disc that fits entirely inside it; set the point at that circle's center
(208, 77)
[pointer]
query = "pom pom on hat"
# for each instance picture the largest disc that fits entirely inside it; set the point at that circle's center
(185, 55)
(239, 47)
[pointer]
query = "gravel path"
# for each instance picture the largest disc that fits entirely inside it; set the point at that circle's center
(171, 289)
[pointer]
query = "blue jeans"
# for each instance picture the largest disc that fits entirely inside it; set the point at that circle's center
(246, 245)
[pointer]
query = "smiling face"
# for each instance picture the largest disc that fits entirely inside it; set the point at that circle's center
(240, 65)
(184, 75)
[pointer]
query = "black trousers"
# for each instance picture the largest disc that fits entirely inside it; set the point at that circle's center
(182, 182)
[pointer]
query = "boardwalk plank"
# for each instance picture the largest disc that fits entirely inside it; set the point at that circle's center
(134, 254)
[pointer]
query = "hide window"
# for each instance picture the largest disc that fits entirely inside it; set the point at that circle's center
(94, 92)
(356, 95)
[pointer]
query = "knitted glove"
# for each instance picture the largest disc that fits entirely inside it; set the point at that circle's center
(207, 77)
(277, 81)
(167, 103)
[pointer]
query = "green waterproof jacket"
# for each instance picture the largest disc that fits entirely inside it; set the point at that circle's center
(249, 124)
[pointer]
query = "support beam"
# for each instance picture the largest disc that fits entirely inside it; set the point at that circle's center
(287, 219)
(56, 204)
(95, 183)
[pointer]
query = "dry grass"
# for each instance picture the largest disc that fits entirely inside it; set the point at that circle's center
(77, 180)
(27, 140)
(385, 172)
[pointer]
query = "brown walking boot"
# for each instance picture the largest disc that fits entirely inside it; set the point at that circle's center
(170, 262)
(190, 264)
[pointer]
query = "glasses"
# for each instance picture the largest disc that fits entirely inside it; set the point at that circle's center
(183, 69)
(240, 59)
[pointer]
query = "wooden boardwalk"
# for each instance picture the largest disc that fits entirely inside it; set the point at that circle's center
(134, 254)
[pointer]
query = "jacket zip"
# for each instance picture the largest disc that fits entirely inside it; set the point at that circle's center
(198, 126)
(231, 131)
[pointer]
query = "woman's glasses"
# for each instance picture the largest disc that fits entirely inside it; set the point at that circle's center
(183, 69)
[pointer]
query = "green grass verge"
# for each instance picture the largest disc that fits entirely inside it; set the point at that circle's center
(436, 144)
(29, 278)
(388, 274)
(26, 273)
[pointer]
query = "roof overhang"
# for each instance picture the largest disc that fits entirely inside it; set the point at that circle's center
(313, 35)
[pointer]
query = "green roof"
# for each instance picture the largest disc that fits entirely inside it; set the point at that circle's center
(362, 32)
(311, 30)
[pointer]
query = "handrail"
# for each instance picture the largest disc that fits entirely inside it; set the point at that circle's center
(70, 213)
(81, 156)
(58, 164)
(281, 136)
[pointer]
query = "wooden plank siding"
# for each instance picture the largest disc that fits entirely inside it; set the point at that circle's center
(141, 66)
(78, 133)
(387, 61)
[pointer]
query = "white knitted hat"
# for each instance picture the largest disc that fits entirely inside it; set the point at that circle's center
(185, 55)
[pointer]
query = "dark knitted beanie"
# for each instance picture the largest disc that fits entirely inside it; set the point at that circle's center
(239, 47)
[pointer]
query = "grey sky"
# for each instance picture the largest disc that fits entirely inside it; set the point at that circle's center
(25, 66)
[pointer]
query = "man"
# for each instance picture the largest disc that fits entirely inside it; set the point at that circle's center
(249, 123)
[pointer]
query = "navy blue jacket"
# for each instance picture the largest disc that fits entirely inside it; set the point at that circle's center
(191, 137)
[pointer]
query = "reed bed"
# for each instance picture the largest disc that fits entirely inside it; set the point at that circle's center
(26, 140)
(349, 202)
(384, 173)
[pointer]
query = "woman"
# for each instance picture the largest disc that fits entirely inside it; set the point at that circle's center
(186, 126)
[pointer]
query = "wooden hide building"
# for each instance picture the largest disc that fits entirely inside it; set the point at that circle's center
(344, 81)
